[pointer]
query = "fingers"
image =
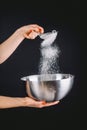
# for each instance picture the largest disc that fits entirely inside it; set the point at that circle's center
(30, 102)
(37, 28)
(31, 35)
(51, 104)
(32, 31)
(41, 104)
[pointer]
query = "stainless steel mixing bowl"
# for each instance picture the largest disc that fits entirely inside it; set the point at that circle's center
(48, 87)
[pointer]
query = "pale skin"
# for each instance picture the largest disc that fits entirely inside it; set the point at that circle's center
(6, 49)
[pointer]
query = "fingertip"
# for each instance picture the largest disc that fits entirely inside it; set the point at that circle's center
(57, 101)
(41, 30)
(43, 102)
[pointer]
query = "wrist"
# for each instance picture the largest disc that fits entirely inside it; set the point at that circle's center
(22, 102)
(20, 33)
(25, 102)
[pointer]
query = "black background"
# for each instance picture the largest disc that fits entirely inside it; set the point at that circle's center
(64, 17)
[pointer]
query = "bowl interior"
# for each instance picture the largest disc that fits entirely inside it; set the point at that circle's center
(47, 77)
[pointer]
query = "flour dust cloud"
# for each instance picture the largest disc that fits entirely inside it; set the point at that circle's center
(49, 54)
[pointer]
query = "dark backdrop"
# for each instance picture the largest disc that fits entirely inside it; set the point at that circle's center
(24, 61)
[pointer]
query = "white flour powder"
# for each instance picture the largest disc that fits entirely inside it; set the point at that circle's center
(49, 54)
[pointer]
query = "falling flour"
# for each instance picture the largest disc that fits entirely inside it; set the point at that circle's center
(49, 54)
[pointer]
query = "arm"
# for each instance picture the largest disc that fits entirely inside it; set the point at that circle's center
(11, 102)
(9, 45)
(6, 49)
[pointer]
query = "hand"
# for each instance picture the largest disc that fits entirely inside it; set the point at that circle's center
(31, 31)
(29, 102)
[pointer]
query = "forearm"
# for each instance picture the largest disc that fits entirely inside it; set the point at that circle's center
(9, 46)
(10, 102)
